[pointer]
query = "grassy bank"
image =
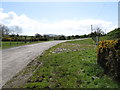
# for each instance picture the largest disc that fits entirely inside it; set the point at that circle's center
(70, 65)
(112, 35)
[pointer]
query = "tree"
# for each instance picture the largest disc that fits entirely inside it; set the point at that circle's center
(96, 34)
(46, 37)
(73, 37)
(77, 36)
(62, 37)
(4, 30)
(37, 35)
(69, 37)
(99, 31)
(85, 36)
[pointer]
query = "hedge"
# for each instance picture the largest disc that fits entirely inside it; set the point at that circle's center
(109, 57)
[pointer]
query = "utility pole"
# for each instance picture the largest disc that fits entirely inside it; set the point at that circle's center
(91, 28)
(105, 31)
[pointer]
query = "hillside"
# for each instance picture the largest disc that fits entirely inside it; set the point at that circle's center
(114, 34)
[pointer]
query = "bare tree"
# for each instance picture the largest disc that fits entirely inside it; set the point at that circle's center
(4, 30)
(97, 32)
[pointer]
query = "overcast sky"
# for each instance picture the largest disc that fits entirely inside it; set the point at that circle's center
(67, 18)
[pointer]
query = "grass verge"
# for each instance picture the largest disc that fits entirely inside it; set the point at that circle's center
(70, 65)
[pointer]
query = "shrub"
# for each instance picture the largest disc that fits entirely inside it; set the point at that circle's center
(109, 57)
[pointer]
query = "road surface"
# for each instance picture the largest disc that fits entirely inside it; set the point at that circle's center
(15, 59)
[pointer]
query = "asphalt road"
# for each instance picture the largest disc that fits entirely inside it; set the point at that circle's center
(15, 59)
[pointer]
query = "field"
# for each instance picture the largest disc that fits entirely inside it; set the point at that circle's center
(72, 64)
(7, 44)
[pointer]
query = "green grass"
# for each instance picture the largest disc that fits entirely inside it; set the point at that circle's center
(108, 38)
(83, 42)
(70, 69)
(104, 38)
(14, 44)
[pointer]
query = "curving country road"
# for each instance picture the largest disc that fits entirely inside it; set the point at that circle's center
(15, 59)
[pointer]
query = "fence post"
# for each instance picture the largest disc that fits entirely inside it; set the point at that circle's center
(10, 42)
(25, 39)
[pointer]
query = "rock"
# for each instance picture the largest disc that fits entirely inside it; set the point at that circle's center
(93, 77)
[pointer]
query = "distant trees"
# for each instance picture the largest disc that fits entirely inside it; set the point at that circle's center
(37, 35)
(69, 37)
(46, 37)
(9, 33)
(13, 30)
(77, 36)
(12, 33)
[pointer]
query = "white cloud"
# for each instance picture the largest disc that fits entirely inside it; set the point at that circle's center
(66, 27)
(1, 9)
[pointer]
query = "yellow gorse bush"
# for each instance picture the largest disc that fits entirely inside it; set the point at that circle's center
(107, 44)
(108, 57)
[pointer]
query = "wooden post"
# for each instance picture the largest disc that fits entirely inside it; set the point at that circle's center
(10, 42)
(25, 39)
(17, 40)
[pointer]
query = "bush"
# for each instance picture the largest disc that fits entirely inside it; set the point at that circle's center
(109, 57)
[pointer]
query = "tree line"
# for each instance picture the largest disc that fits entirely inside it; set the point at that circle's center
(12, 34)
